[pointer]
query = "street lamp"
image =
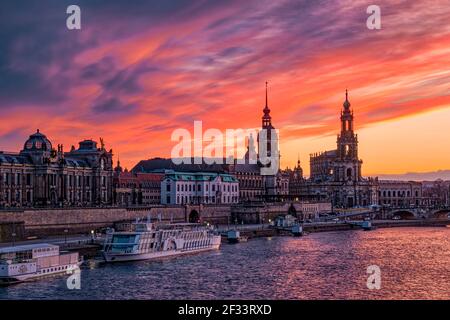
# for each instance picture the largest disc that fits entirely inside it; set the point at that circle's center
(65, 236)
(14, 238)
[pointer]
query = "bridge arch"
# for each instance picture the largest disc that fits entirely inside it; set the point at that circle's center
(194, 217)
(404, 214)
(440, 214)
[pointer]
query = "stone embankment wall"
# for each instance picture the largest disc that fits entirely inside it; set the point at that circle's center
(44, 222)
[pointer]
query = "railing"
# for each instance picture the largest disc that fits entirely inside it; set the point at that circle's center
(243, 227)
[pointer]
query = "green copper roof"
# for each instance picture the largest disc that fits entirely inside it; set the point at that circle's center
(199, 176)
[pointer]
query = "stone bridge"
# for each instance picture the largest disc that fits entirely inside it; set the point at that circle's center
(388, 213)
(420, 213)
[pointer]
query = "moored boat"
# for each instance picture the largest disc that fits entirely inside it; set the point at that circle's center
(149, 241)
(297, 230)
(367, 225)
(27, 262)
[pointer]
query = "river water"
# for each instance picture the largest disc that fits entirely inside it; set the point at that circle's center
(414, 264)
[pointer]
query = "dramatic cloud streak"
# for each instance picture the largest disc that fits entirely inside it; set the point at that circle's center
(138, 70)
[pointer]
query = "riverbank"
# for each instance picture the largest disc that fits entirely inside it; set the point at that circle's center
(84, 245)
(258, 231)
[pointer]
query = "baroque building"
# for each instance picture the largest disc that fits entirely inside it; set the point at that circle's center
(41, 176)
(336, 174)
(181, 188)
(400, 194)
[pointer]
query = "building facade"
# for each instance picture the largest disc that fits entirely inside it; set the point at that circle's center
(436, 194)
(41, 176)
(136, 188)
(251, 183)
(400, 194)
(181, 188)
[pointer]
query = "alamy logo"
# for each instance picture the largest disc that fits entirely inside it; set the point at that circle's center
(374, 20)
(73, 22)
(374, 279)
(74, 281)
(208, 147)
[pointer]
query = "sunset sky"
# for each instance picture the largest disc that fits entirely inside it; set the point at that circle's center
(140, 69)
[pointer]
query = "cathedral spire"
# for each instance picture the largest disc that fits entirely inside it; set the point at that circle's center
(267, 100)
(118, 168)
(266, 119)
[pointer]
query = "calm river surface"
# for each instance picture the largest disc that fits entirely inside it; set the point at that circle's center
(414, 263)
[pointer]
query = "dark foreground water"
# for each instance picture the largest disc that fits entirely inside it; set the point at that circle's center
(414, 263)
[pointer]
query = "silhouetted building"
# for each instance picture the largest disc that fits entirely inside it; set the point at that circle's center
(336, 174)
(296, 181)
(136, 188)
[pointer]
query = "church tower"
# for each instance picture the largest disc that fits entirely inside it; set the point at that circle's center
(267, 124)
(271, 152)
(347, 141)
(348, 165)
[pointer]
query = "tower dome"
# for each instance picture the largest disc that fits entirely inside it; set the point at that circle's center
(37, 142)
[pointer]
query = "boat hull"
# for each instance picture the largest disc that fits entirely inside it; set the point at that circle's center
(111, 258)
(10, 280)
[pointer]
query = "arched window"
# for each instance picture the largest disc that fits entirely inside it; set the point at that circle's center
(349, 174)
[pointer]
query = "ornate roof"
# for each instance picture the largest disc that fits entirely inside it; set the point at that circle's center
(37, 142)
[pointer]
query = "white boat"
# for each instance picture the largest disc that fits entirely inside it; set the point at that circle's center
(26, 262)
(150, 241)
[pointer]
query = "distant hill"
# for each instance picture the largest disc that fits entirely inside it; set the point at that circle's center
(417, 176)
